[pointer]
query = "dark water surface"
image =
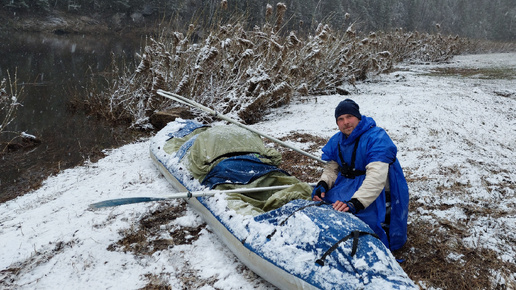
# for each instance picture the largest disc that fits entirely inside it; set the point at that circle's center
(47, 67)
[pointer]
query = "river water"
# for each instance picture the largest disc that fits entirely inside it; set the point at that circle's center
(47, 67)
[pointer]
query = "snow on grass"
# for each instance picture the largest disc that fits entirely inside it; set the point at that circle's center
(455, 136)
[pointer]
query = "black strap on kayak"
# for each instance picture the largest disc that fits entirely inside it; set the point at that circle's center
(269, 236)
(346, 170)
(355, 235)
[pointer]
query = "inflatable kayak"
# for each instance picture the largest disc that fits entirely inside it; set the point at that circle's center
(283, 236)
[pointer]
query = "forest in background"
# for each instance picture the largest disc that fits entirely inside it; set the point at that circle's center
(478, 19)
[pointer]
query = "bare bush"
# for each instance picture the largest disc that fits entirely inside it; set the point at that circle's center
(488, 46)
(9, 101)
(422, 47)
(244, 73)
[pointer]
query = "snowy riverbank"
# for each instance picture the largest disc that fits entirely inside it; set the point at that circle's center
(455, 136)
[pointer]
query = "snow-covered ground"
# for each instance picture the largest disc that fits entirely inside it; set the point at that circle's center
(454, 135)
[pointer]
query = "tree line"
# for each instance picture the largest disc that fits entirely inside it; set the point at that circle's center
(480, 19)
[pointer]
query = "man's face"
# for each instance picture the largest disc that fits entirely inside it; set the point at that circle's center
(347, 123)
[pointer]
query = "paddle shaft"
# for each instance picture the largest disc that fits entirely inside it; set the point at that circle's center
(189, 194)
(193, 103)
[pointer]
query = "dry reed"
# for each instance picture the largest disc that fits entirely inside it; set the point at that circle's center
(245, 72)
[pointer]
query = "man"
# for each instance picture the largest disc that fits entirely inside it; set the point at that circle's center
(364, 177)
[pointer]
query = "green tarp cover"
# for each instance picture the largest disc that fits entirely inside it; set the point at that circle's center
(214, 144)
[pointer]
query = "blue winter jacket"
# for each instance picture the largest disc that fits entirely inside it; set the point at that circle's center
(374, 145)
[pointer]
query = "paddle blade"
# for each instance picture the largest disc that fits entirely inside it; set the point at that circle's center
(122, 201)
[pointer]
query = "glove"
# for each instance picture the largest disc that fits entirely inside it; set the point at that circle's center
(321, 187)
(354, 206)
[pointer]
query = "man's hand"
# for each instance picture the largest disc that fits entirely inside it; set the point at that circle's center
(353, 206)
(319, 191)
(340, 206)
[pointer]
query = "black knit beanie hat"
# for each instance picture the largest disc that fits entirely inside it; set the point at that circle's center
(347, 106)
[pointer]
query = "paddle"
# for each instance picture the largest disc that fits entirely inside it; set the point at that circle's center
(193, 103)
(130, 200)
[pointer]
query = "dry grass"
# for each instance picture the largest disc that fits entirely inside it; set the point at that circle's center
(154, 233)
(435, 256)
(480, 73)
(141, 239)
(245, 72)
(302, 167)
(486, 46)
(149, 236)
(9, 276)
